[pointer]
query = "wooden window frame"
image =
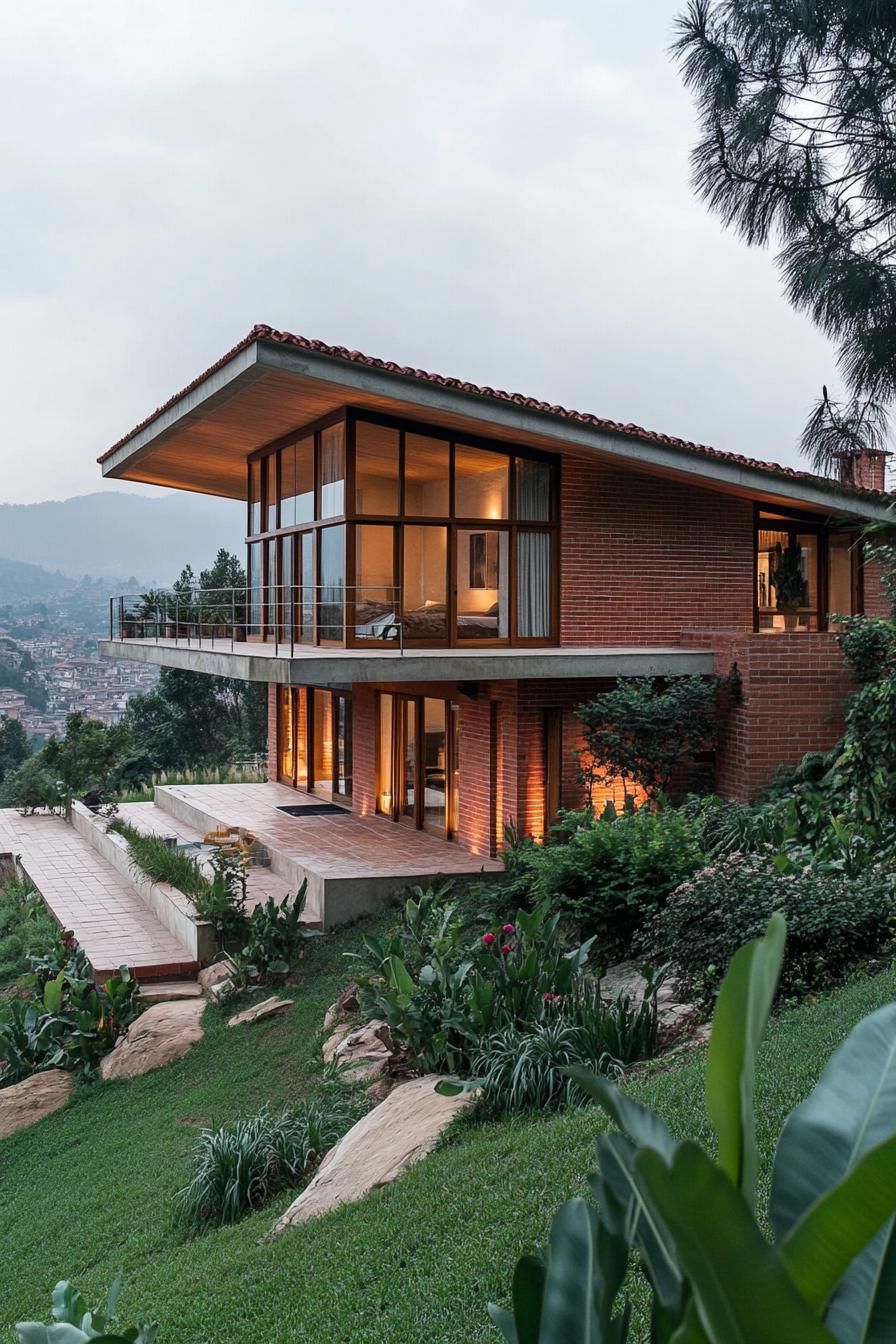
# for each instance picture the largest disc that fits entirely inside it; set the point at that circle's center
(349, 417)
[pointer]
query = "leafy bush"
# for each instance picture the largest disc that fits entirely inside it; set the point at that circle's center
(806, 828)
(241, 1166)
(833, 921)
(75, 1323)
(67, 1021)
(222, 901)
(275, 935)
(640, 733)
(611, 873)
(713, 1275)
(525, 1069)
(466, 1004)
(26, 926)
(32, 788)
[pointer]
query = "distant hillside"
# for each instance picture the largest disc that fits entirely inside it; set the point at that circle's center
(18, 580)
(119, 533)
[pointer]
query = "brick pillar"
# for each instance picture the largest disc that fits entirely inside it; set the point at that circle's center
(363, 750)
(273, 752)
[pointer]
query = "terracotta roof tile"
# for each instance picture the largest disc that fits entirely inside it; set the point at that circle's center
(630, 431)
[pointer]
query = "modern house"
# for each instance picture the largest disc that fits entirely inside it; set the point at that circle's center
(440, 573)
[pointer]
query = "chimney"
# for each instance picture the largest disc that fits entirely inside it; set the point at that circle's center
(863, 470)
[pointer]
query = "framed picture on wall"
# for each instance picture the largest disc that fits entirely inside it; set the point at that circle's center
(483, 559)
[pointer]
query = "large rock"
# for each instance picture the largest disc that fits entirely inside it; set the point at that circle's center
(363, 1052)
(212, 975)
(377, 1149)
(673, 1014)
(161, 1035)
(25, 1103)
(345, 1006)
(271, 1007)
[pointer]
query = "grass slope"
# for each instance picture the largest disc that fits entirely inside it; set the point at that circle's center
(88, 1192)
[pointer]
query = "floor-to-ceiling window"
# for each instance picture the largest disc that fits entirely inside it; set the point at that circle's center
(395, 533)
(417, 769)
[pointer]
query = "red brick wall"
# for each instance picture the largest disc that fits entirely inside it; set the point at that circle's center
(794, 686)
(273, 763)
(644, 558)
(876, 603)
(363, 750)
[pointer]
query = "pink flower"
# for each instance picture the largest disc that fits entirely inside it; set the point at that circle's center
(549, 998)
(505, 949)
(508, 928)
(488, 939)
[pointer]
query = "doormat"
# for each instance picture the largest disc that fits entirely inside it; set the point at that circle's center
(316, 810)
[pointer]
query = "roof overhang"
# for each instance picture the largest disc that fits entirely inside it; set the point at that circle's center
(267, 389)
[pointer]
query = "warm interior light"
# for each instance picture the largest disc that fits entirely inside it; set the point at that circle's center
(385, 802)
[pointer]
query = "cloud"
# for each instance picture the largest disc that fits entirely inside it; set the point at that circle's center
(496, 192)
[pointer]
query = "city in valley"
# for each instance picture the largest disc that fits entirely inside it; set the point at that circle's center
(49, 665)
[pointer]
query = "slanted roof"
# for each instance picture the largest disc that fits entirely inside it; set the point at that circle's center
(273, 382)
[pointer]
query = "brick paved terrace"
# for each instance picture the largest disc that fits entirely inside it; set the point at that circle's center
(351, 862)
(86, 894)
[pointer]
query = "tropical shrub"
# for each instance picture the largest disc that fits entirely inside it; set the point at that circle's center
(827, 1277)
(833, 921)
(74, 1322)
(805, 827)
(609, 874)
(66, 1021)
(461, 1003)
(640, 733)
(26, 925)
(526, 1069)
(241, 1166)
(275, 936)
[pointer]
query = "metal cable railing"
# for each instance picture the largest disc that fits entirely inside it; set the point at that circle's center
(284, 614)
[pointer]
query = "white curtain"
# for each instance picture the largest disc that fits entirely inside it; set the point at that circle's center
(533, 596)
(533, 490)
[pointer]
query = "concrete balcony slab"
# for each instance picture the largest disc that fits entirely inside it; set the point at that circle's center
(305, 664)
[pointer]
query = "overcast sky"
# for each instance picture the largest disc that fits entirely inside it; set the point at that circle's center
(488, 190)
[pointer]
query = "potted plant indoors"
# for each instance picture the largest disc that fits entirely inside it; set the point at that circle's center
(788, 581)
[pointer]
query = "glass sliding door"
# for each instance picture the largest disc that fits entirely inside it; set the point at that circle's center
(407, 799)
(256, 588)
(292, 736)
(342, 745)
(287, 736)
(322, 729)
(435, 766)
(424, 583)
(416, 765)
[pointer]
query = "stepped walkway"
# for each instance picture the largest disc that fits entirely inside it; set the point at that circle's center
(261, 883)
(352, 863)
(87, 895)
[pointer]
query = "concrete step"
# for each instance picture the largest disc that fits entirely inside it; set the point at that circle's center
(168, 991)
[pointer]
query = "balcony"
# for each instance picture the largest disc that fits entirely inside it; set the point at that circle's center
(325, 636)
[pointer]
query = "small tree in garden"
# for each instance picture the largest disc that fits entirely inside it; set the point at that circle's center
(827, 1275)
(639, 733)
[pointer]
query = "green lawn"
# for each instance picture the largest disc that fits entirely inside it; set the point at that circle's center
(87, 1193)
